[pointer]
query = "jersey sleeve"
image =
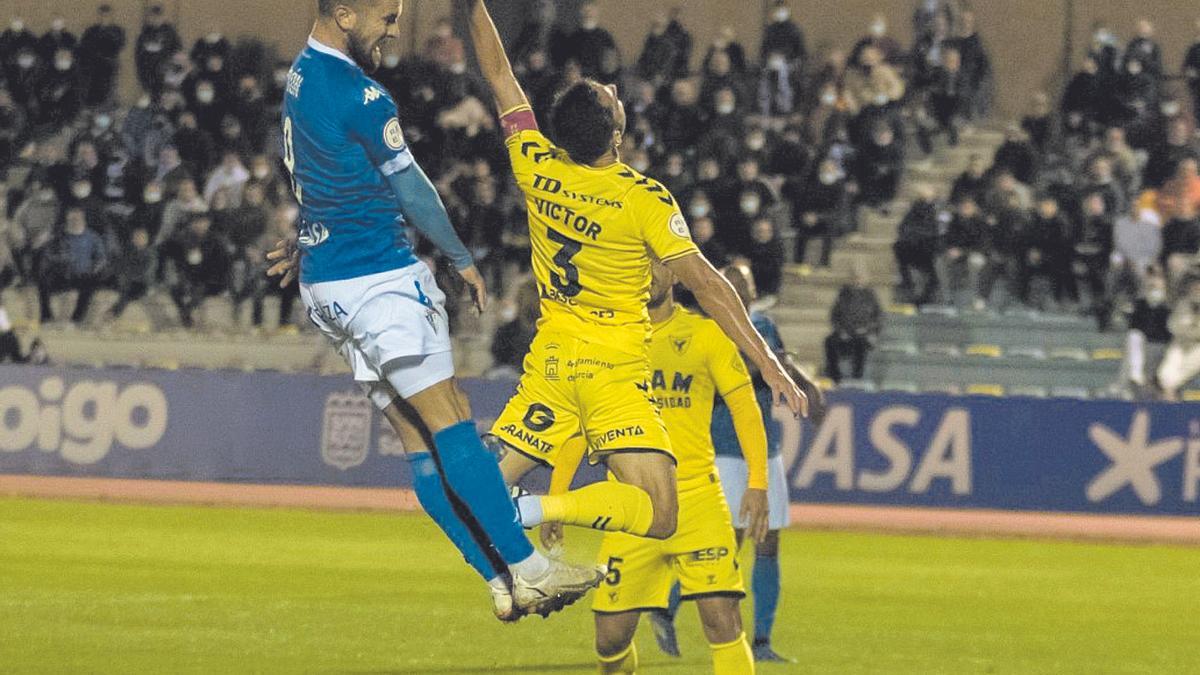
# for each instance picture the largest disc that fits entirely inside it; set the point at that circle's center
(663, 226)
(375, 125)
(527, 146)
(725, 364)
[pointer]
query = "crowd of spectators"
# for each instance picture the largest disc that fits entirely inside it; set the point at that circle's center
(1092, 207)
(178, 193)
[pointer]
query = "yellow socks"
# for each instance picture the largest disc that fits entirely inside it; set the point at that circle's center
(609, 506)
(625, 663)
(733, 658)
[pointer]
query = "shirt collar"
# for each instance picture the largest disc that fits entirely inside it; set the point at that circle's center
(317, 46)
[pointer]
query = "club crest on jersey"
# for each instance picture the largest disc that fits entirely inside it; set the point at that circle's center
(371, 94)
(679, 227)
(393, 135)
(681, 344)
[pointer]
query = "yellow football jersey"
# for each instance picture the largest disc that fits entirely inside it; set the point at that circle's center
(691, 361)
(593, 232)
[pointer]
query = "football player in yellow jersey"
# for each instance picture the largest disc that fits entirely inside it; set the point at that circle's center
(691, 362)
(595, 224)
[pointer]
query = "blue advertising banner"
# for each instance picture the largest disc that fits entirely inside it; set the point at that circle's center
(898, 450)
(977, 452)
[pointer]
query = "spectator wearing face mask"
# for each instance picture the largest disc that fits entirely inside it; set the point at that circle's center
(229, 177)
(36, 218)
(202, 264)
(75, 260)
(726, 43)
(766, 256)
(588, 44)
(134, 270)
(879, 166)
(1144, 48)
(704, 233)
(1149, 332)
(877, 37)
(156, 44)
(857, 320)
(916, 245)
(966, 260)
(192, 146)
(783, 36)
(22, 67)
(947, 103)
(99, 55)
(1083, 100)
(1044, 253)
(685, 120)
(60, 94)
(1092, 251)
(1181, 363)
(659, 52)
(821, 209)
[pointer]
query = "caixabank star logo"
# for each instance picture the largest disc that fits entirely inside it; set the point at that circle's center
(1135, 458)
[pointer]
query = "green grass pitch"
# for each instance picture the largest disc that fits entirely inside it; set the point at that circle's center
(138, 589)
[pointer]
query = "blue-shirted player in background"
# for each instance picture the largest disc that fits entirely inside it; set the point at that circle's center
(358, 185)
(783, 430)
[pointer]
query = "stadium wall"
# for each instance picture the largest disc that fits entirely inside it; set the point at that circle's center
(1013, 455)
(1025, 36)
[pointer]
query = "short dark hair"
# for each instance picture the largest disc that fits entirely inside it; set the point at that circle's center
(326, 7)
(580, 122)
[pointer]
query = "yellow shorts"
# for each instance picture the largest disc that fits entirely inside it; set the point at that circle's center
(571, 387)
(702, 556)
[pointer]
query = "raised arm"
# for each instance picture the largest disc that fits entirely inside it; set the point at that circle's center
(718, 299)
(494, 61)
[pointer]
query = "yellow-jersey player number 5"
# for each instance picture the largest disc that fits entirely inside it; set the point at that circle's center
(289, 159)
(568, 282)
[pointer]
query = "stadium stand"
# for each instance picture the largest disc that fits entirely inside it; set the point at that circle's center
(811, 165)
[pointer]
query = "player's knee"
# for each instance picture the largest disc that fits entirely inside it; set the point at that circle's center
(721, 619)
(611, 644)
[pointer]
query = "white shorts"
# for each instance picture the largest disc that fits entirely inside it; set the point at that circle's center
(734, 481)
(390, 327)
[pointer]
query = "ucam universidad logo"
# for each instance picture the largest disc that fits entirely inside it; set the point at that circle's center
(83, 421)
(1134, 461)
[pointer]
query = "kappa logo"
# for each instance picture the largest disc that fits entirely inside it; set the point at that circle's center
(346, 430)
(1135, 460)
(371, 94)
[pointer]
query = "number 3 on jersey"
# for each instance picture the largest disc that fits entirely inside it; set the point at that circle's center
(289, 159)
(570, 286)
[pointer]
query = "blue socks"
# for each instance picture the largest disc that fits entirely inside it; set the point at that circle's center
(473, 475)
(674, 601)
(764, 582)
(431, 492)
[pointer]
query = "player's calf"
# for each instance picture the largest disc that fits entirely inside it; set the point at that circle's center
(654, 473)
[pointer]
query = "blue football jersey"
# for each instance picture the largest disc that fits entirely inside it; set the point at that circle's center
(724, 436)
(342, 139)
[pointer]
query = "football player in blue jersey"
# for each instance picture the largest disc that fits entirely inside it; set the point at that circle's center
(358, 186)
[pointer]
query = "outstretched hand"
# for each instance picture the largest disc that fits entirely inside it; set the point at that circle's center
(286, 258)
(784, 389)
(479, 293)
